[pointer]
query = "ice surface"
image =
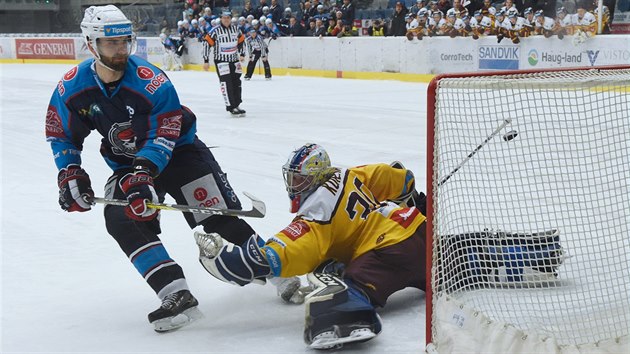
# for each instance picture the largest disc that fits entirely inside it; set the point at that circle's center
(68, 288)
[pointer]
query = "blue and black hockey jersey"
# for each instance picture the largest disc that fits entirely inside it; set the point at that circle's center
(141, 117)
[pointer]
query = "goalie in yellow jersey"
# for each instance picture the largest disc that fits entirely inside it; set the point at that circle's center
(369, 221)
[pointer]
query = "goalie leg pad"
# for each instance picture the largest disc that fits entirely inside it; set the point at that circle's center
(337, 312)
(507, 257)
(521, 258)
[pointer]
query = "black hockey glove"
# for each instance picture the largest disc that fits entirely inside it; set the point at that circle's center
(75, 189)
(139, 190)
(499, 37)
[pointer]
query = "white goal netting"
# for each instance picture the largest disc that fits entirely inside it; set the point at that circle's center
(548, 153)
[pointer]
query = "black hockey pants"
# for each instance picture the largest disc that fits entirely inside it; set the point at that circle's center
(192, 177)
(252, 65)
(230, 80)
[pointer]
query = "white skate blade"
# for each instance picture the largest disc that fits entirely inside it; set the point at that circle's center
(187, 317)
(330, 339)
(240, 115)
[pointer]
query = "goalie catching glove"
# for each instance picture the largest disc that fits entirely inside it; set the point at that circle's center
(230, 263)
(241, 265)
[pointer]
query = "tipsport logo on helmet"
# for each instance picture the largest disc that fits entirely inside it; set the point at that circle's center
(123, 29)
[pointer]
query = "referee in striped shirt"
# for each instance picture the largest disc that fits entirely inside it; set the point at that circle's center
(227, 41)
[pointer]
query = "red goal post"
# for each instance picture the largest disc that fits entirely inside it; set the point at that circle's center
(519, 152)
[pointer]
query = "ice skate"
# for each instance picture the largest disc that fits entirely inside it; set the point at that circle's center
(177, 310)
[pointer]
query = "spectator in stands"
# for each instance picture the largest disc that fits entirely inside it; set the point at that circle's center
(248, 10)
(276, 11)
(309, 28)
(508, 6)
(398, 24)
(444, 5)
(322, 12)
(460, 10)
(207, 15)
(487, 9)
(188, 11)
(420, 4)
(347, 10)
(338, 28)
(259, 9)
(286, 18)
(339, 15)
(377, 29)
(347, 30)
(308, 12)
(332, 27)
(320, 28)
(295, 28)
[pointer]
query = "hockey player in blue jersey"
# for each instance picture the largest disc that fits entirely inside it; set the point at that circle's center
(149, 142)
(173, 50)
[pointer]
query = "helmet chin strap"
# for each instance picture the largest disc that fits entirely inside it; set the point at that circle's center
(100, 62)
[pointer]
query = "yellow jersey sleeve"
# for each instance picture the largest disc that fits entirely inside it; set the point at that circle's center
(384, 181)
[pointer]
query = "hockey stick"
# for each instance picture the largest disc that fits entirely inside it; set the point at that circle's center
(258, 209)
(494, 133)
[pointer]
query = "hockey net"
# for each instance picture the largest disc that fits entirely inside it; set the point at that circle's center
(511, 154)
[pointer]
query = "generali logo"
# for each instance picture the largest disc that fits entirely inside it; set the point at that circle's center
(49, 48)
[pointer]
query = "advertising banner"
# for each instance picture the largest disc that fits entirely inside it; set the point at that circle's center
(45, 48)
(554, 53)
(81, 49)
(6, 48)
(460, 56)
(498, 57)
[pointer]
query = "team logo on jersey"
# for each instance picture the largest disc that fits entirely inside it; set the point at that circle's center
(123, 139)
(60, 88)
(404, 217)
(54, 127)
(200, 194)
(71, 74)
(156, 83)
(296, 230)
(145, 73)
(169, 126)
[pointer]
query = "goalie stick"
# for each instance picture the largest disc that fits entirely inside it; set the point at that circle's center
(258, 209)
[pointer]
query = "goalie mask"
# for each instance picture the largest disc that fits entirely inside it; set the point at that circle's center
(108, 33)
(307, 168)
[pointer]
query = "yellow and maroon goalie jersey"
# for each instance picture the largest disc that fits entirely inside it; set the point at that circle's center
(350, 214)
